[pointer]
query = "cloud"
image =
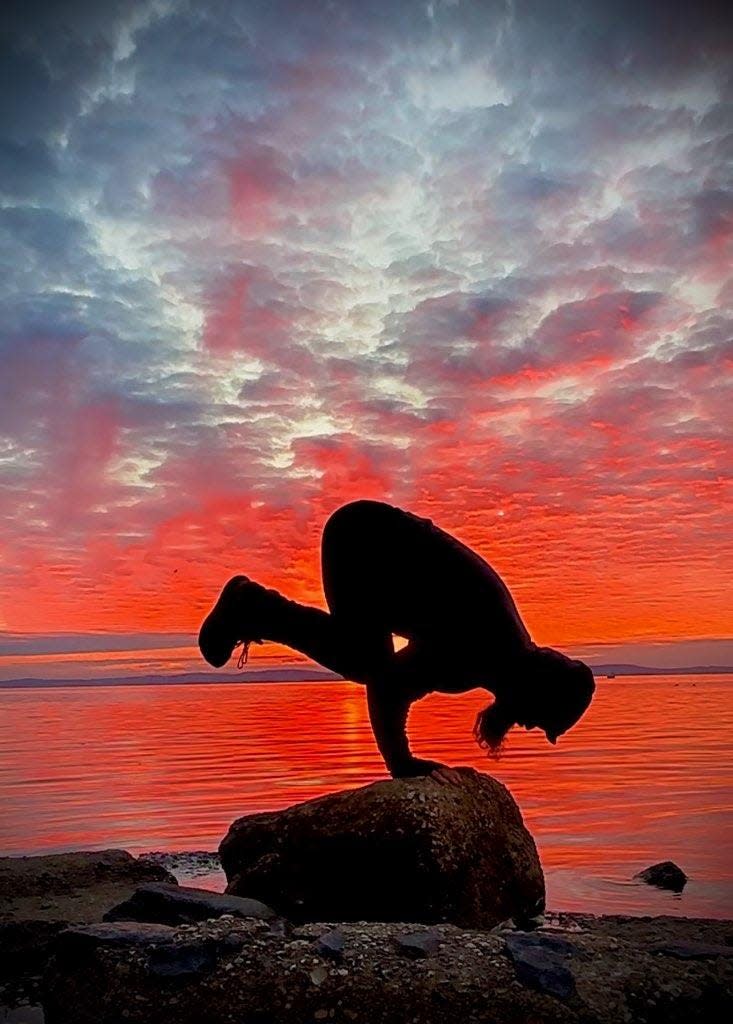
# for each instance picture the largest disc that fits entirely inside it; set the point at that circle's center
(262, 259)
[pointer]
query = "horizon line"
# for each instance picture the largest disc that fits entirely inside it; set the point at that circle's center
(305, 674)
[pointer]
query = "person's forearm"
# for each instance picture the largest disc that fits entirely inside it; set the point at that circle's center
(388, 715)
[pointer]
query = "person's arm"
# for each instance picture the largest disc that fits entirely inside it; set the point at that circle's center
(388, 710)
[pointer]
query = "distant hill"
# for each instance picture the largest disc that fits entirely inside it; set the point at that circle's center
(644, 670)
(305, 674)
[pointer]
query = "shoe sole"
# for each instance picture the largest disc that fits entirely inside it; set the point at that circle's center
(210, 650)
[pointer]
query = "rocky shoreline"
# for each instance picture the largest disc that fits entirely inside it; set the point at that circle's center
(573, 967)
(106, 938)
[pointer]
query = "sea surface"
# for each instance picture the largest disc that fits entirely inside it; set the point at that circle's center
(646, 776)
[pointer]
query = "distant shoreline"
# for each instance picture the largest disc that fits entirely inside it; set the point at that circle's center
(314, 675)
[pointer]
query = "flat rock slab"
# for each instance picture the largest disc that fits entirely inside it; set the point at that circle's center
(65, 873)
(182, 904)
(398, 850)
(168, 952)
(239, 970)
(40, 896)
(542, 962)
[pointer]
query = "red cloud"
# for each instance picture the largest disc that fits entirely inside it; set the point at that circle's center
(257, 182)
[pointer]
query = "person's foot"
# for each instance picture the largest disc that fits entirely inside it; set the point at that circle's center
(239, 616)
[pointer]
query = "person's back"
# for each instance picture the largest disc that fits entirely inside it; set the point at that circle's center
(424, 581)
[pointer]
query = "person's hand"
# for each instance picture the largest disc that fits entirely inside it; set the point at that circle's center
(415, 766)
(448, 776)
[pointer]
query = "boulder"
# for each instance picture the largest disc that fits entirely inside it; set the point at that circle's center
(182, 904)
(665, 875)
(417, 849)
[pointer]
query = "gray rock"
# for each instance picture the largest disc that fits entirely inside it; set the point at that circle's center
(665, 875)
(540, 963)
(331, 944)
(181, 904)
(418, 945)
(168, 952)
(398, 850)
(121, 934)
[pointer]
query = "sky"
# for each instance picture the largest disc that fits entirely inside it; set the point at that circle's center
(263, 258)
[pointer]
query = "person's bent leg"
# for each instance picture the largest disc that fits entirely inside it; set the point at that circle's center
(247, 611)
(358, 573)
(356, 584)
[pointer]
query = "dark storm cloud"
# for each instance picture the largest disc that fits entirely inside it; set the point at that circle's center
(52, 55)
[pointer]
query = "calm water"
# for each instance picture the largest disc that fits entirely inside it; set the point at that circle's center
(645, 777)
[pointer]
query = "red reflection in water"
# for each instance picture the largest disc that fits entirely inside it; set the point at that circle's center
(646, 776)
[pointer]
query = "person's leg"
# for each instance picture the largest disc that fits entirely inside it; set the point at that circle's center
(356, 582)
(246, 611)
(323, 638)
(367, 582)
(377, 567)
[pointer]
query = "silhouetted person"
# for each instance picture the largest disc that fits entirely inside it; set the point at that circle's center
(386, 571)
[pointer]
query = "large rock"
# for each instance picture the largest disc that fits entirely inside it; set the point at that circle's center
(665, 875)
(400, 850)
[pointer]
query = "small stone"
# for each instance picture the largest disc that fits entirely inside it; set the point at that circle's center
(331, 944)
(665, 875)
(318, 975)
(539, 963)
(419, 945)
(321, 1014)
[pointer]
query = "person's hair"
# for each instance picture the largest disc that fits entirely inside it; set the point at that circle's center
(491, 726)
(551, 688)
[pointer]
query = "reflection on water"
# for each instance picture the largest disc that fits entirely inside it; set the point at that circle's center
(646, 776)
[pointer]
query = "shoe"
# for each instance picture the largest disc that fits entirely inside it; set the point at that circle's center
(238, 617)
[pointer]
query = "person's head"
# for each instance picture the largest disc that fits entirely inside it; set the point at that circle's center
(549, 691)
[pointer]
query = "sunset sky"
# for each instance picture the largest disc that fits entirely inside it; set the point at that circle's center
(261, 258)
